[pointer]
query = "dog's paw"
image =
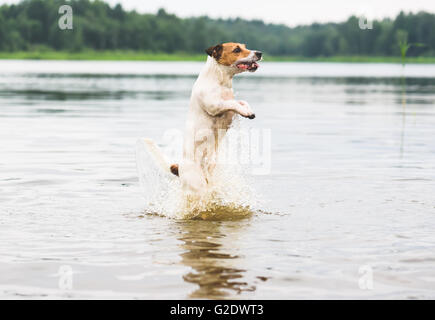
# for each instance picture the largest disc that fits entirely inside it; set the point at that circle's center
(246, 111)
(248, 115)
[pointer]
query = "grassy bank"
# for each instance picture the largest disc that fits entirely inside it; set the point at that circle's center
(144, 56)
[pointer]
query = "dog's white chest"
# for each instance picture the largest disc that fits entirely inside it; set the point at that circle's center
(225, 120)
(227, 93)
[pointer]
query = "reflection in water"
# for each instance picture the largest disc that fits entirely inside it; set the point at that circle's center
(206, 248)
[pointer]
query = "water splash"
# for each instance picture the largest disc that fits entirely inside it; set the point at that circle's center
(160, 189)
(229, 194)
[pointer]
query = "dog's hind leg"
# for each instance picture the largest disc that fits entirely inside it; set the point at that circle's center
(192, 178)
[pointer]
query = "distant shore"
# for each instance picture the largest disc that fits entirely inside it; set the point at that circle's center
(143, 56)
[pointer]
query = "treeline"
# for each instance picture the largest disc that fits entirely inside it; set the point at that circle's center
(33, 24)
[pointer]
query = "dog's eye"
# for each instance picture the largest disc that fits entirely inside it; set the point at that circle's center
(237, 50)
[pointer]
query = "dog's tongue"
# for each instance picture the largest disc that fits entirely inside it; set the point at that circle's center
(247, 66)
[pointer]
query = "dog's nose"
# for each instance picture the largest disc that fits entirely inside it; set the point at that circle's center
(259, 54)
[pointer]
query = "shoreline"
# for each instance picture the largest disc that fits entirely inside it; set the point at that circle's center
(143, 56)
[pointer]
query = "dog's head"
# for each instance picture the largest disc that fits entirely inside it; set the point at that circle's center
(235, 55)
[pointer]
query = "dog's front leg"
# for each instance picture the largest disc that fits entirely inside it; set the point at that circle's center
(216, 107)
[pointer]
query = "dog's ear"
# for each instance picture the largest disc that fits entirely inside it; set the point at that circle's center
(215, 51)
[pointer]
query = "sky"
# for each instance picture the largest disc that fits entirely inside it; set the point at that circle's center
(288, 12)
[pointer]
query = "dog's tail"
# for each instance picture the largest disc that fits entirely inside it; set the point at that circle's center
(174, 169)
(159, 157)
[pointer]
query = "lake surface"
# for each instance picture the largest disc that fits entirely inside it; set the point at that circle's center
(348, 207)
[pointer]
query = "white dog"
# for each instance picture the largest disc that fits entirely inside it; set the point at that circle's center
(211, 112)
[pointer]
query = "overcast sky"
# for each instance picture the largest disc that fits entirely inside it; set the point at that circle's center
(289, 12)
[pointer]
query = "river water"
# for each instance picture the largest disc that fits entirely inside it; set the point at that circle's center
(348, 198)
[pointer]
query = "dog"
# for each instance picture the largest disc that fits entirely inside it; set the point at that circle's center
(211, 113)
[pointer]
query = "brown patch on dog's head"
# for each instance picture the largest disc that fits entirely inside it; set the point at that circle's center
(233, 52)
(228, 53)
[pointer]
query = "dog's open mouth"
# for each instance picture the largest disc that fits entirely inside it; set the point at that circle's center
(250, 66)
